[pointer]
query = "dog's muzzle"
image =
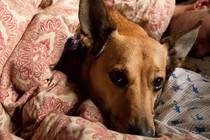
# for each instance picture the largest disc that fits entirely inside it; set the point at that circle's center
(142, 129)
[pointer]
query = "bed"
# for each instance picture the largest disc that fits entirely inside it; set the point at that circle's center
(38, 102)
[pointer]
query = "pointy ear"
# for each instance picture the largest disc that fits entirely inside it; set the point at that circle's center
(96, 23)
(179, 46)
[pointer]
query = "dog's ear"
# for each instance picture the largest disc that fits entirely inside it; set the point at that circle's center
(179, 46)
(96, 23)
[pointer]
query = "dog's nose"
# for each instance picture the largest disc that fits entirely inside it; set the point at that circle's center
(142, 128)
(146, 131)
(149, 132)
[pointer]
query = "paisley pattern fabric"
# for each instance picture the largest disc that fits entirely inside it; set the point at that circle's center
(153, 15)
(37, 102)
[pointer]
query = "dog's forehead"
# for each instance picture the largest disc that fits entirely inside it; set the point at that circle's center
(136, 51)
(137, 47)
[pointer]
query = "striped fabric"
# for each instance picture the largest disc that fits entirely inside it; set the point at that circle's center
(184, 105)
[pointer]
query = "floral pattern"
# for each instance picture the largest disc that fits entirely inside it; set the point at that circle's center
(89, 111)
(101, 133)
(47, 39)
(40, 103)
(52, 105)
(11, 30)
(154, 16)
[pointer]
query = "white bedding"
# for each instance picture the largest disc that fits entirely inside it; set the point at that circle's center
(184, 106)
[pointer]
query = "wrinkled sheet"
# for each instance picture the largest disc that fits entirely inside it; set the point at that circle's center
(183, 106)
(38, 102)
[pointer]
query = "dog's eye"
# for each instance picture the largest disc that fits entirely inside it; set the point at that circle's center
(158, 83)
(118, 78)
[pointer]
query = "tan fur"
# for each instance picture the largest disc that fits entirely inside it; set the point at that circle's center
(119, 49)
(143, 58)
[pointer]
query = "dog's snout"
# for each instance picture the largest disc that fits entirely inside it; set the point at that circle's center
(142, 127)
(146, 131)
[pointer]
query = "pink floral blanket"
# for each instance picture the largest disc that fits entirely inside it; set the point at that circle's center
(37, 102)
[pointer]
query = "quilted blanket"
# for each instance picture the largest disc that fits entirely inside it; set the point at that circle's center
(37, 102)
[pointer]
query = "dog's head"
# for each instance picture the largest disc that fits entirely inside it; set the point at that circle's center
(125, 68)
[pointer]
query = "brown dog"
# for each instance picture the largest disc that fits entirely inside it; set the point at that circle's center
(123, 68)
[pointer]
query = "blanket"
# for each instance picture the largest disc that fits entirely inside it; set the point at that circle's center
(37, 102)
